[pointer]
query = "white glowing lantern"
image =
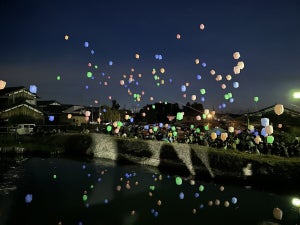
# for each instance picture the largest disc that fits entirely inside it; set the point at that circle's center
(223, 86)
(117, 130)
(194, 97)
(162, 70)
(279, 109)
(228, 77)
(231, 129)
(241, 65)
(213, 135)
(206, 111)
(151, 98)
(198, 117)
(69, 116)
(250, 127)
(143, 114)
(99, 120)
(126, 117)
(197, 61)
(115, 123)
(137, 56)
(122, 82)
(236, 55)
(201, 26)
(87, 113)
(66, 37)
(264, 122)
(269, 129)
(178, 36)
(224, 136)
(236, 70)
(2, 84)
(279, 125)
(212, 72)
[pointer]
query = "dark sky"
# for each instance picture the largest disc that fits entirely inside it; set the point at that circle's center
(265, 33)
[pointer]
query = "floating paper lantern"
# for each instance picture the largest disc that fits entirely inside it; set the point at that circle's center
(178, 36)
(193, 97)
(236, 70)
(201, 26)
(255, 99)
(264, 122)
(223, 86)
(236, 55)
(212, 72)
(198, 117)
(122, 82)
(241, 65)
(179, 116)
(250, 127)
(127, 117)
(137, 56)
(228, 77)
(66, 37)
(257, 139)
(51, 118)
(33, 89)
(86, 44)
(87, 113)
(181, 195)
(197, 61)
(2, 84)
(219, 77)
(269, 129)
(202, 91)
(231, 129)
(58, 77)
(203, 64)
(224, 136)
(204, 116)
(28, 198)
(99, 120)
(69, 116)
(178, 180)
(279, 126)
(278, 109)
(183, 88)
(213, 135)
(206, 111)
(236, 84)
(109, 128)
(277, 213)
(162, 70)
(263, 132)
(198, 77)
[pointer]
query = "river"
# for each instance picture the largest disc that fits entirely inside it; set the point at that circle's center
(65, 191)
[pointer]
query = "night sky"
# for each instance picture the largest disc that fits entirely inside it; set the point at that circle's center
(133, 40)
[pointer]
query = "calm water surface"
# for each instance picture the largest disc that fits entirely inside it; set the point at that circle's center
(54, 191)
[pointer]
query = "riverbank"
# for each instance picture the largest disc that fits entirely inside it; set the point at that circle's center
(183, 159)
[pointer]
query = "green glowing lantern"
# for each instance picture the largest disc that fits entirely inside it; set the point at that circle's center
(84, 197)
(202, 91)
(270, 139)
(119, 124)
(198, 130)
(179, 116)
(192, 126)
(174, 133)
(206, 127)
(109, 128)
(155, 129)
(58, 77)
(89, 74)
(178, 181)
(204, 116)
(201, 188)
(256, 99)
(173, 128)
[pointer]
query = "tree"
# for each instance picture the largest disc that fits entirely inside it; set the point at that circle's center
(115, 105)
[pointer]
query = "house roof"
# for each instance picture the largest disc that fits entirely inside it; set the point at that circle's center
(271, 108)
(13, 90)
(12, 107)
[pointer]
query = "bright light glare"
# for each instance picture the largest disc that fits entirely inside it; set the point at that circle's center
(296, 202)
(296, 95)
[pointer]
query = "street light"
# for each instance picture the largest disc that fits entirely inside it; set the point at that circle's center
(296, 202)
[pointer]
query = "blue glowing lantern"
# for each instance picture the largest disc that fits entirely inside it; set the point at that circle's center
(199, 77)
(33, 89)
(131, 119)
(51, 118)
(86, 44)
(263, 132)
(110, 63)
(236, 84)
(231, 100)
(28, 198)
(203, 64)
(183, 88)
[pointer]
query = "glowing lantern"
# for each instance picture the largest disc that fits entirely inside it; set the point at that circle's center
(115, 123)
(264, 122)
(178, 36)
(201, 26)
(228, 77)
(206, 111)
(278, 109)
(193, 97)
(187, 84)
(33, 89)
(257, 139)
(143, 114)
(241, 65)
(279, 125)
(109, 128)
(223, 86)
(99, 120)
(2, 84)
(255, 99)
(122, 82)
(206, 127)
(231, 129)
(277, 213)
(179, 115)
(269, 129)
(183, 88)
(212, 72)
(162, 70)
(236, 84)
(66, 37)
(126, 117)
(219, 77)
(270, 139)
(199, 77)
(87, 113)
(69, 116)
(224, 136)
(250, 127)
(263, 132)
(197, 61)
(236, 70)
(236, 55)
(204, 116)
(198, 117)
(137, 56)
(213, 135)
(51, 118)
(202, 91)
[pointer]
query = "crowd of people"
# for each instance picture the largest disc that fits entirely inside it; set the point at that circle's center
(241, 140)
